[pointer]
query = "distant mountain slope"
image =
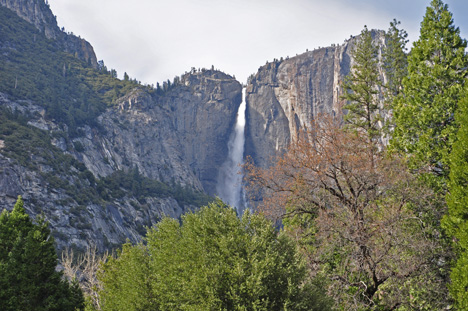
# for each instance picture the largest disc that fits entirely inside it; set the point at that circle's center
(38, 13)
(102, 158)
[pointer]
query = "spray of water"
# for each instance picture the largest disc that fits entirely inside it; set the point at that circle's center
(229, 187)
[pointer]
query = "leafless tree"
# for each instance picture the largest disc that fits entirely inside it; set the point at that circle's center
(365, 222)
(84, 268)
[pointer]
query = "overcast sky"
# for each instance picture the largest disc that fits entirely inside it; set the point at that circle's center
(155, 40)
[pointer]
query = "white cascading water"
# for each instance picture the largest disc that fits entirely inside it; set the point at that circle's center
(229, 185)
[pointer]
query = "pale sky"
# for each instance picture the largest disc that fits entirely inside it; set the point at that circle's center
(156, 40)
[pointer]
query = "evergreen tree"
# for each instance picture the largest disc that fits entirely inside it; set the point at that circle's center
(28, 279)
(456, 222)
(362, 88)
(395, 61)
(424, 112)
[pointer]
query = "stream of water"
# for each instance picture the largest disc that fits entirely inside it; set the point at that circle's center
(229, 187)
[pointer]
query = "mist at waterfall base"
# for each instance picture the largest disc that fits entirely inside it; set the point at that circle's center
(229, 187)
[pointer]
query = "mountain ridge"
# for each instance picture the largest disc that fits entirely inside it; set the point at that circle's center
(103, 158)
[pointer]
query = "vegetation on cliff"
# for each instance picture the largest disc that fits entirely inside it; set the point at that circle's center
(365, 226)
(36, 68)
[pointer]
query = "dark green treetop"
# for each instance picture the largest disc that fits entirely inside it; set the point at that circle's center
(395, 60)
(362, 88)
(28, 279)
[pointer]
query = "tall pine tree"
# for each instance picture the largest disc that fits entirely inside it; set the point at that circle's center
(456, 222)
(362, 89)
(424, 112)
(395, 61)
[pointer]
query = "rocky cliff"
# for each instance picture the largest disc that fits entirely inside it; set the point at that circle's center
(95, 173)
(178, 138)
(38, 13)
(104, 174)
(286, 95)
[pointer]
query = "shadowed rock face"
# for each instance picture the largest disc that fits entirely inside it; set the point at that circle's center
(180, 136)
(285, 96)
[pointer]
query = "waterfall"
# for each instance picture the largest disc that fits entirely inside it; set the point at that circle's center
(229, 187)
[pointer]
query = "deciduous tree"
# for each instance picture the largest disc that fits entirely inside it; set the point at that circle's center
(364, 221)
(85, 268)
(211, 261)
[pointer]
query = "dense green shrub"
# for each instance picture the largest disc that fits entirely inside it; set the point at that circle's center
(212, 261)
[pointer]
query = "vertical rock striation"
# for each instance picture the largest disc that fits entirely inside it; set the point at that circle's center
(286, 95)
(178, 137)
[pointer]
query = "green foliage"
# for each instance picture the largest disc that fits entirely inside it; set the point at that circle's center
(424, 112)
(127, 281)
(121, 183)
(28, 279)
(395, 61)
(35, 68)
(362, 88)
(212, 261)
(456, 221)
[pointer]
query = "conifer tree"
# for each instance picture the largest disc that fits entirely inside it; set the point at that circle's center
(395, 60)
(28, 279)
(456, 222)
(362, 88)
(424, 112)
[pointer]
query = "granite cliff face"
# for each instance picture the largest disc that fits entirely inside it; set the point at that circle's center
(153, 153)
(286, 95)
(178, 138)
(181, 136)
(38, 13)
